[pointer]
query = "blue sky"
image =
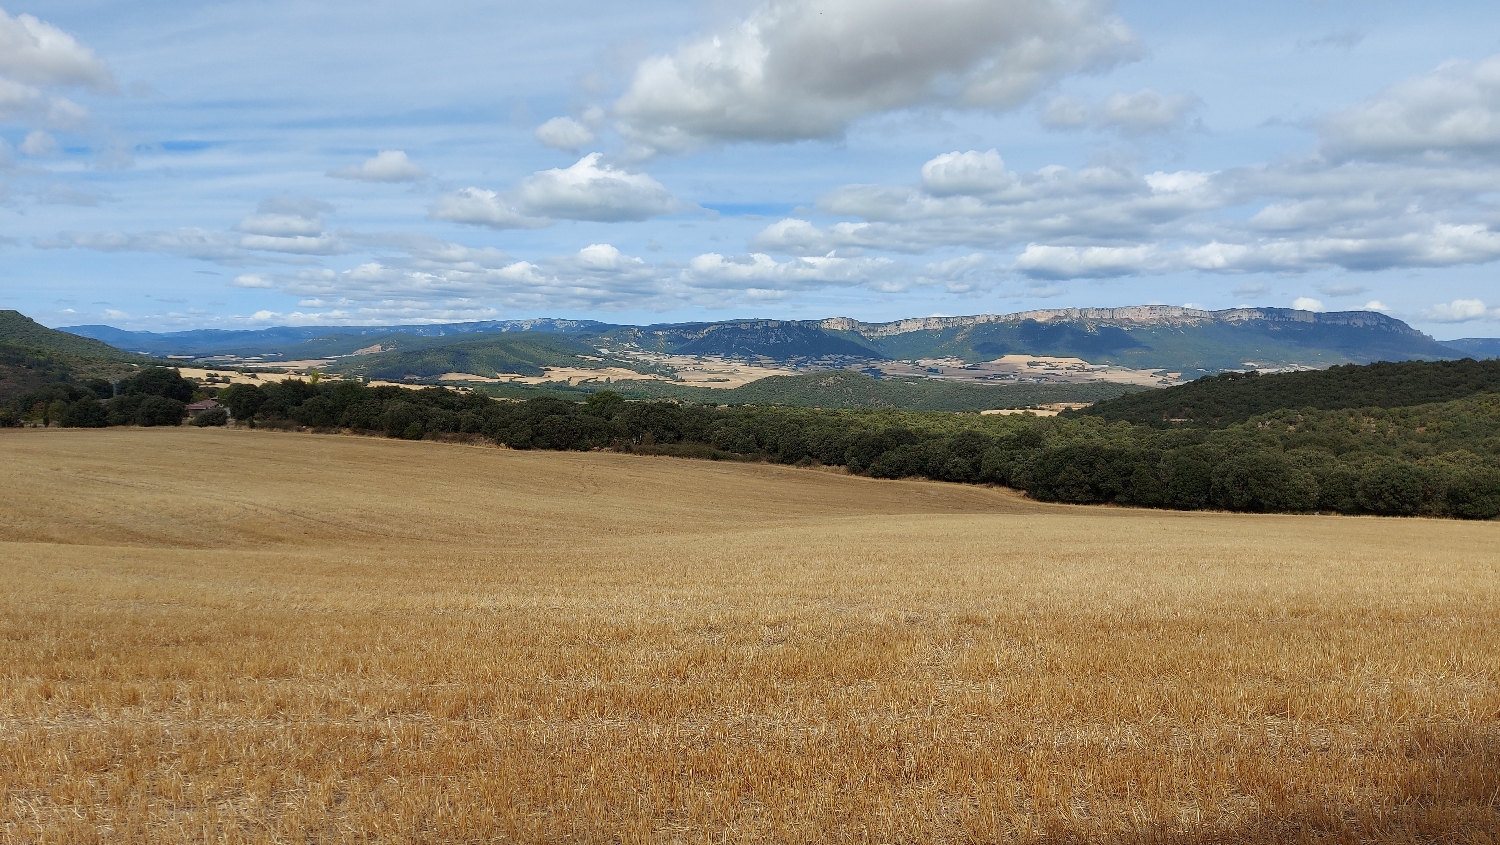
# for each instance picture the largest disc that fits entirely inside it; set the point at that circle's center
(182, 165)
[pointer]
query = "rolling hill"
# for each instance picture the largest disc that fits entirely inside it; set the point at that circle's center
(18, 330)
(32, 355)
(524, 353)
(1230, 398)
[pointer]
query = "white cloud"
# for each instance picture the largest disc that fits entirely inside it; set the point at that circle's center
(972, 173)
(1454, 111)
(591, 191)
(320, 244)
(588, 190)
(36, 52)
(19, 101)
(36, 61)
(1461, 311)
(39, 143)
(386, 166)
(565, 133)
(1307, 303)
(796, 69)
(1295, 215)
(481, 207)
(280, 225)
(1040, 261)
(290, 225)
(1377, 305)
(253, 281)
(597, 276)
(762, 272)
(1143, 112)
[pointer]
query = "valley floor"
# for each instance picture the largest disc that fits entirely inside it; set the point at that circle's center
(244, 636)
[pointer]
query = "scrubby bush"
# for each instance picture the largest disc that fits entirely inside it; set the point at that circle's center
(217, 416)
(85, 413)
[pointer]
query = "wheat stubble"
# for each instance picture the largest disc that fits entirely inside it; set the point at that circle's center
(247, 637)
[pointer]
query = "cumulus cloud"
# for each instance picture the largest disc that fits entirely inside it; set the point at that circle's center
(795, 69)
(290, 225)
(386, 166)
(37, 60)
(1307, 303)
(1461, 311)
(481, 207)
(762, 272)
(565, 133)
(1452, 112)
(1366, 209)
(971, 199)
(597, 276)
(1143, 112)
(39, 143)
(588, 190)
(36, 52)
(1109, 221)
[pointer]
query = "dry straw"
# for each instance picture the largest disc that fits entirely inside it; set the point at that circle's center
(246, 637)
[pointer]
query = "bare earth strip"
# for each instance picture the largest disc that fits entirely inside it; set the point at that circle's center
(249, 637)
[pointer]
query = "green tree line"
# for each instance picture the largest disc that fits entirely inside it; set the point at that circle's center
(1439, 459)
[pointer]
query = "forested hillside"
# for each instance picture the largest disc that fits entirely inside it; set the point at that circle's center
(849, 389)
(32, 355)
(1235, 397)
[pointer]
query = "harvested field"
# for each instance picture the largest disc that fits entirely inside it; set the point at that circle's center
(241, 636)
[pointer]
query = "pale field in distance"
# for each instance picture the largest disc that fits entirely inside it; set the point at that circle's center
(237, 636)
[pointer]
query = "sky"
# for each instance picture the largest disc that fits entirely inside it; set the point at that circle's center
(176, 165)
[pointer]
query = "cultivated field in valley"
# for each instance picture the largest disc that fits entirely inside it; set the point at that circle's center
(241, 636)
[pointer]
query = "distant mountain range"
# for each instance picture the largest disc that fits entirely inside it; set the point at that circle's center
(1148, 337)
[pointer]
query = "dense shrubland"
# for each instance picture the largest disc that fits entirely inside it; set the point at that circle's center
(1439, 459)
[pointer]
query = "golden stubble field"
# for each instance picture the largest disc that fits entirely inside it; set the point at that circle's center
(234, 636)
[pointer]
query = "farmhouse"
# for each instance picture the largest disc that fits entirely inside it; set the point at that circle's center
(204, 406)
